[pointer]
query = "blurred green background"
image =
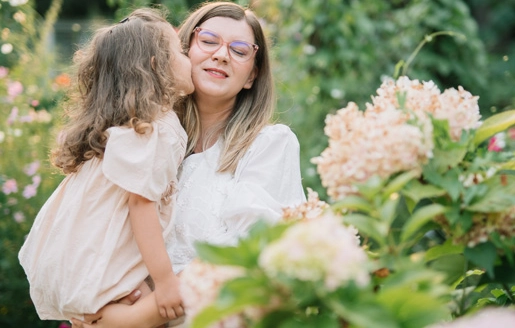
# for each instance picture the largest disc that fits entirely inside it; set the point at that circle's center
(326, 53)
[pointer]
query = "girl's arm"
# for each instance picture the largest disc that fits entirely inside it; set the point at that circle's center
(142, 314)
(147, 231)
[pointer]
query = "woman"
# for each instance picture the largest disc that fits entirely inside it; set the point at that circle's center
(239, 167)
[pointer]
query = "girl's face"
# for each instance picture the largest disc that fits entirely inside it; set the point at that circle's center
(216, 75)
(181, 65)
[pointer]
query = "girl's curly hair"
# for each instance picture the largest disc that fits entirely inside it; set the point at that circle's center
(124, 77)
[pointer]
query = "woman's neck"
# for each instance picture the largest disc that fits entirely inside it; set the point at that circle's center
(211, 115)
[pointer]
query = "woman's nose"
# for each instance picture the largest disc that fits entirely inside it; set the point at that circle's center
(222, 53)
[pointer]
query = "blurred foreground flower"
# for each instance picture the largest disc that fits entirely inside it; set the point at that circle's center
(200, 286)
(488, 317)
(322, 249)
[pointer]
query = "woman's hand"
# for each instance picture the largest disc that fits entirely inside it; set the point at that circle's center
(113, 315)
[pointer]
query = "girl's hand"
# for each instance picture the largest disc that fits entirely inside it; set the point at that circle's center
(168, 298)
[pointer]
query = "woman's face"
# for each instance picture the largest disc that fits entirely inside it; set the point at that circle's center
(216, 75)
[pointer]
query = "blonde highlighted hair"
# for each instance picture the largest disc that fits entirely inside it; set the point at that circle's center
(253, 108)
(124, 77)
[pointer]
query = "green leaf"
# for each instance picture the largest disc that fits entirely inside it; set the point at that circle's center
(504, 273)
(449, 180)
(371, 187)
(446, 159)
(247, 251)
(220, 255)
(368, 226)
(387, 211)
(417, 191)
(399, 182)
(421, 216)
(362, 312)
(246, 290)
(483, 255)
(447, 248)
(452, 265)
(353, 202)
(412, 308)
(494, 124)
(499, 197)
(234, 297)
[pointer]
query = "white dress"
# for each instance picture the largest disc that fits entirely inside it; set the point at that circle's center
(220, 207)
(81, 253)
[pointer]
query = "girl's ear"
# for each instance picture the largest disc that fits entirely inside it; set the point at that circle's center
(153, 63)
(250, 80)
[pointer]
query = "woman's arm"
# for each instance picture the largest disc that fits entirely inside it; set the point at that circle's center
(142, 314)
(148, 234)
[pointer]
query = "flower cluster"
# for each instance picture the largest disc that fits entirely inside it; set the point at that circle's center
(318, 250)
(458, 107)
(200, 285)
(363, 144)
(394, 133)
(311, 209)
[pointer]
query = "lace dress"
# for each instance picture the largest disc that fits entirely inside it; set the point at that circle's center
(220, 207)
(81, 253)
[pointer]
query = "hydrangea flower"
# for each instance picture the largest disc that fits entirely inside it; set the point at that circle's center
(488, 317)
(200, 285)
(392, 135)
(318, 250)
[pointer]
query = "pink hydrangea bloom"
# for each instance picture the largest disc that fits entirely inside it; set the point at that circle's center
(200, 285)
(488, 317)
(386, 139)
(10, 186)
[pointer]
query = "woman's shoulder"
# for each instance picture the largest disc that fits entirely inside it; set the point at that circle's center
(277, 131)
(274, 136)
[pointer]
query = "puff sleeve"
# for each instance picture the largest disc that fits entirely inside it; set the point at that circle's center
(144, 164)
(267, 180)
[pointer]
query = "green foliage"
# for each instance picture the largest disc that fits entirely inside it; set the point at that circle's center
(29, 89)
(329, 52)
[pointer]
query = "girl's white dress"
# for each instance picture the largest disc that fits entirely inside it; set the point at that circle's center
(220, 207)
(81, 253)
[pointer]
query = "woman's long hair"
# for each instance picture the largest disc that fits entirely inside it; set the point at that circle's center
(253, 108)
(123, 78)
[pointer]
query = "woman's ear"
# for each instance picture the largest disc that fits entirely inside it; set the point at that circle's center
(250, 80)
(153, 63)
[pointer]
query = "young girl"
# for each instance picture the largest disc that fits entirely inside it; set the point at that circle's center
(103, 231)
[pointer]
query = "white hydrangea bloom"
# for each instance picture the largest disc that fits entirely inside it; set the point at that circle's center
(321, 249)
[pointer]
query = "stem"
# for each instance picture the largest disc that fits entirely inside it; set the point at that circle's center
(508, 292)
(464, 288)
(427, 39)
(50, 19)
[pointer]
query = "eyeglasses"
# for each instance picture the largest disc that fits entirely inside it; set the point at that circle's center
(209, 41)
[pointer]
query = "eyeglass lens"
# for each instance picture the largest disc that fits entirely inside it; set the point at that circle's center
(211, 42)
